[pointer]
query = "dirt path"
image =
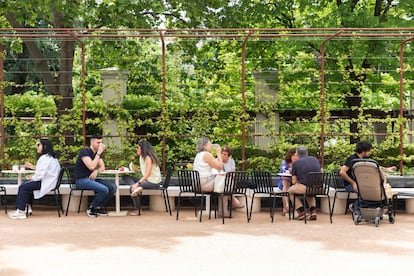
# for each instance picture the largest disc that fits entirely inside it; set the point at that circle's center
(155, 244)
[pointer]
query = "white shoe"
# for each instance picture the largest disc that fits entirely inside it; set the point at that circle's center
(18, 215)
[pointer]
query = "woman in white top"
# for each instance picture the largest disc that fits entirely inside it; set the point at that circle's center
(149, 165)
(204, 162)
(43, 181)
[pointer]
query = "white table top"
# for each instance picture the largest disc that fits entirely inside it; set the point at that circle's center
(115, 171)
(18, 171)
(284, 174)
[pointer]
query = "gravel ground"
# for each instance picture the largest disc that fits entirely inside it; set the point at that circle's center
(157, 244)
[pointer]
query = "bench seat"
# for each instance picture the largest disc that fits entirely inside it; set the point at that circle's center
(157, 202)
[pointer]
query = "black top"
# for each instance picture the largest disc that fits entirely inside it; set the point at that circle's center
(349, 162)
(81, 171)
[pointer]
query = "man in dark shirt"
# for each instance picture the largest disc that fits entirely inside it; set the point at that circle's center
(300, 170)
(88, 164)
(362, 150)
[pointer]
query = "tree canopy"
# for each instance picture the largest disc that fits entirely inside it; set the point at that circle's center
(203, 74)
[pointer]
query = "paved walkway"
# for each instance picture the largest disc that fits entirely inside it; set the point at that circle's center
(157, 244)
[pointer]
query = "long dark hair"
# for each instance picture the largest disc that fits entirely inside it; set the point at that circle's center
(289, 154)
(47, 148)
(147, 150)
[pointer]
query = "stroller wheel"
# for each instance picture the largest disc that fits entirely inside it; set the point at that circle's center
(377, 221)
(391, 218)
(356, 219)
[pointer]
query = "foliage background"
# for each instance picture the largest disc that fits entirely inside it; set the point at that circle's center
(203, 78)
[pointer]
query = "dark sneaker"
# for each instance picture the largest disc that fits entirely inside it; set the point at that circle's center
(101, 211)
(313, 216)
(91, 212)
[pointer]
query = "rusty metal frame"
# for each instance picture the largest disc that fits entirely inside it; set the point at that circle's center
(327, 34)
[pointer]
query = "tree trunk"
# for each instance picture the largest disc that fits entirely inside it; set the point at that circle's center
(354, 101)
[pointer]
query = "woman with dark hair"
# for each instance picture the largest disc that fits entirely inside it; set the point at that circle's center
(43, 181)
(150, 170)
(285, 181)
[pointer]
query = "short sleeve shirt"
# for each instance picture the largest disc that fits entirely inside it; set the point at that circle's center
(348, 163)
(303, 166)
(81, 171)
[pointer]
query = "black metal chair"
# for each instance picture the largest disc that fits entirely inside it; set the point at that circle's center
(235, 183)
(70, 173)
(189, 183)
(318, 185)
(3, 191)
(263, 185)
(163, 187)
(340, 188)
(56, 194)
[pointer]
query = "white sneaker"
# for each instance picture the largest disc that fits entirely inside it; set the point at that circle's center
(17, 215)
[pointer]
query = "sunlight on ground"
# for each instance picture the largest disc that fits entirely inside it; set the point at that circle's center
(217, 254)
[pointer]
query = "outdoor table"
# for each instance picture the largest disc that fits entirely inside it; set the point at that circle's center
(284, 174)
(19, 173)
(116, 173)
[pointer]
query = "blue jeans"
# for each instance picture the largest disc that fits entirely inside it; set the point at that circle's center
(24, 196)
(350, 188)
(104, 190)
(130, 180)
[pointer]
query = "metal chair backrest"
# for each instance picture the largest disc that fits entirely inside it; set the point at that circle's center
(70, 174)
(318, 183)
(240, 180)
(167, 179)
(263, 182)
(189, 181)
(59, 180)
(230, 183)
(337, 180)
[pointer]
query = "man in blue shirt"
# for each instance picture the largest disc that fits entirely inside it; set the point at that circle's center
(300, 170)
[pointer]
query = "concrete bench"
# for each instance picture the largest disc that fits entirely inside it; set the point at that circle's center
(407, 194)
(340, 203)
(156, 199)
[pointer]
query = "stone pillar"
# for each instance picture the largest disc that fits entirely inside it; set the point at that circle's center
(113, 91)
(266, 83)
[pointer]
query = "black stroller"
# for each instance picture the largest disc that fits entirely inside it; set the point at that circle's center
(371, 193)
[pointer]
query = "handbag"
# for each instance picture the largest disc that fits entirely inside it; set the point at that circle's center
(219, 183)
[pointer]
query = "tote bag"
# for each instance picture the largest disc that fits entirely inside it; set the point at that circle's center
(219, 183)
